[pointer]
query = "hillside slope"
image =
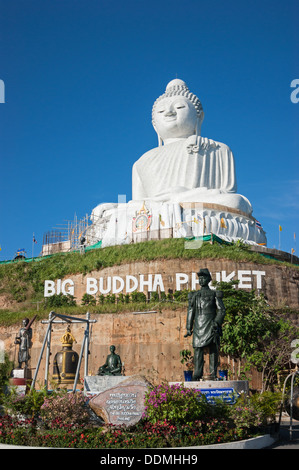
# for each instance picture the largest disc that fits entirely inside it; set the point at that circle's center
(22, 282)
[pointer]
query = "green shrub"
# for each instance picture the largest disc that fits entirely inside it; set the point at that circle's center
(88, 299)
(59, 300)
(264, 406)
(174, 417)
(66, 409)
(5, 370)
(25, 404)
(174, 403)
(138, 297)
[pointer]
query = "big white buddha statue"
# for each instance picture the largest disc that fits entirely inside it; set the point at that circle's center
(185, 167)
(186, 185)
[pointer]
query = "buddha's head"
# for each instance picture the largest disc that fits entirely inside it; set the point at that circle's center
(177, 113)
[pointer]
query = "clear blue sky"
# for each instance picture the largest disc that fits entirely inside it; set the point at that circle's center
(80, 81)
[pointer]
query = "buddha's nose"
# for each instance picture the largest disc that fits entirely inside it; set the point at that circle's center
(170, 112)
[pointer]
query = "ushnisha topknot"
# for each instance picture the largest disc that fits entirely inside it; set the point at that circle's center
(178, 87)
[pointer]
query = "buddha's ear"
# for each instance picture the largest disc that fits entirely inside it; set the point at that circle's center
(160, 141)
(199, 123)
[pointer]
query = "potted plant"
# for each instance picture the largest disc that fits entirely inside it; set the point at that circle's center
(187, 359)
(223, 371)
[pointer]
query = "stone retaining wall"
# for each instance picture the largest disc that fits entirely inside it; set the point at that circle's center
(149, 344)
(279, 283)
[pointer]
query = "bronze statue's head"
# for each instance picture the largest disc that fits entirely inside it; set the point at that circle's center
(205, 273)
(204, 277)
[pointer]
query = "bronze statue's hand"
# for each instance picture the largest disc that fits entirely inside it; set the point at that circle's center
(188, 334)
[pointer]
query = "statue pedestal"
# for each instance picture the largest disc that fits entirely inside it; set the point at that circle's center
(117, 400)
(20, 379)
(227, 389)
(136, 221)
(96, 384)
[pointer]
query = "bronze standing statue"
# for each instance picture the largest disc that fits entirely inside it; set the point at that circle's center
(113, 365)
(205, 316)
(23, 339)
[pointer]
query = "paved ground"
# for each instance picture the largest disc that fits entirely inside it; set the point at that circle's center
(287, 439)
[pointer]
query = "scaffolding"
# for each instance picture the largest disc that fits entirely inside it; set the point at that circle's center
(47, 341)
(70, 236)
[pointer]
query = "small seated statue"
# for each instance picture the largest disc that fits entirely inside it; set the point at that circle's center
(113, 365)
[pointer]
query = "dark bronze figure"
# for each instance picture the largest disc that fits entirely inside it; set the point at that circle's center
(113, 365)
(23, 339)
(205, 316)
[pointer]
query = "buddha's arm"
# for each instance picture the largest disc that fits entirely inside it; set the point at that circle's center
(138, 192)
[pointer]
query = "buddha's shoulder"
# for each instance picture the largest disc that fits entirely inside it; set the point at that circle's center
(216, 144)
(146, 156)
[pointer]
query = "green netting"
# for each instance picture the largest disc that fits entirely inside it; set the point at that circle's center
(39, 258)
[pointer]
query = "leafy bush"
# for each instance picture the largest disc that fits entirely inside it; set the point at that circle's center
(172, 419)
(67, 409)
(138, 297)
(59, 300)
(14, 431)
(24, 404)
(246, 417)
(174, 403)
(5, 370)
(88, 299)
(265, 405)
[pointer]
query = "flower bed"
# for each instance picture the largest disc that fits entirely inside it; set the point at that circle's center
(174, 417)
(161, 435)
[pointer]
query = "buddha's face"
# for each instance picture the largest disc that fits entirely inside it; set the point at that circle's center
(175, 117)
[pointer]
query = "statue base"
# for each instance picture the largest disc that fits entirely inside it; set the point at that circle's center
(20, 380)
(137, 221)
(227, 389)
(95, 384)
(122, 404)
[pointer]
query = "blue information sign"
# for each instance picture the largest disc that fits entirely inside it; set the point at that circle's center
(227, 395)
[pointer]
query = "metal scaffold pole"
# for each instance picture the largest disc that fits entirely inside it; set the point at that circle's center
(47, 341)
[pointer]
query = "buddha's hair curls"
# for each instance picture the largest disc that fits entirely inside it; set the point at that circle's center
(179, 89)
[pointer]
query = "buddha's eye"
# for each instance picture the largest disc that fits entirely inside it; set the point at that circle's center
(160, 111)
(180, 106)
